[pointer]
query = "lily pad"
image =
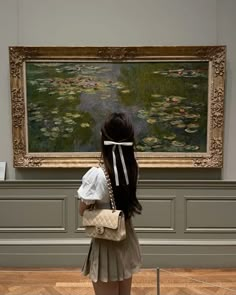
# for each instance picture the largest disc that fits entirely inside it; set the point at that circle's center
(177, 122)
(151, 121)
(162, 114)
(170, 137)
(188, 130)
(181, 126)
(143, 114)
(156, 103)
(150, 140)
(125, 91)
(192, 147)
(178, 143)
(192, 116)
(85, 125)
(193, 125)
(55, 129)
(156, 95)
(166, 105)
(140, 148)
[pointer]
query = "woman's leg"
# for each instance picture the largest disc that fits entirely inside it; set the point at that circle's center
(109, 288)
(125, 287)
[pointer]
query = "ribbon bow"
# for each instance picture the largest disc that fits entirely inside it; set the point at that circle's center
(119, 144)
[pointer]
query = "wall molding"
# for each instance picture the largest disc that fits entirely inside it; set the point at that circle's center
(71, 184)
(142, 242)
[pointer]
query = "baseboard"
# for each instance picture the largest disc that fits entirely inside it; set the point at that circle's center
(149, 260)
(155, 253)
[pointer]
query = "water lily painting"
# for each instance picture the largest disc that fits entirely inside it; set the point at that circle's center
(173, 95)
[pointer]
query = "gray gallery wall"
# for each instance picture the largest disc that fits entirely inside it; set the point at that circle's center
(189, 214)
(118, 23)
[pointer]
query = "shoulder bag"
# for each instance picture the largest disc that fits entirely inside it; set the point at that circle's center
(108, 224)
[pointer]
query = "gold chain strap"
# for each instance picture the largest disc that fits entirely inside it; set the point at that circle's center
(110, 190)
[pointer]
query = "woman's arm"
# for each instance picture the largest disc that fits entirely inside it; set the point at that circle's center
(82, 207)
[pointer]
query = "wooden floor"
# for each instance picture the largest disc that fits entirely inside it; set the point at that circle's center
(69, 281)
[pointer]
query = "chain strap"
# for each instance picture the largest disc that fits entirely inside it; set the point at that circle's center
(110, 190)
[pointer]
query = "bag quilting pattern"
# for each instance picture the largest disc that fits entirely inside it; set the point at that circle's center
(103, 217)
(105, 224)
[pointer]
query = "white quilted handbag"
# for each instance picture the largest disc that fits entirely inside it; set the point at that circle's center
(106, 224)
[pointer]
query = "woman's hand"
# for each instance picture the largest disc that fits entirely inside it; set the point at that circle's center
(83, 206)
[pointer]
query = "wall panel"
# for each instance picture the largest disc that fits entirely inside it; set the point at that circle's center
(32, 214)
(204, 214)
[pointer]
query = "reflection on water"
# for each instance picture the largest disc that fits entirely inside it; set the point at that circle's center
(68, 101)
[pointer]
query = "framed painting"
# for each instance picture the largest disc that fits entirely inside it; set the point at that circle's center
(174, 96)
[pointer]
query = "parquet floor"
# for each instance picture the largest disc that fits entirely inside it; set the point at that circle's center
(69, 281)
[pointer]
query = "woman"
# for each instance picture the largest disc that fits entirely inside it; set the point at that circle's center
(110, 264)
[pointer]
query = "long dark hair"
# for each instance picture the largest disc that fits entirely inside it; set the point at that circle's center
(117, 127)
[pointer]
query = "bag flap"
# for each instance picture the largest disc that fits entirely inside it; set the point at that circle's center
(103, 217)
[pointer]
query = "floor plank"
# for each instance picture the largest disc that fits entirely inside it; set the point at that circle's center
(70, 281)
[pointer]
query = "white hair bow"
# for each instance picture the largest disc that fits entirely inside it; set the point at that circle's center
(119, 144)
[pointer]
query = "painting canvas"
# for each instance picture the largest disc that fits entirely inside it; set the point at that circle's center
(67, 102)
(170, 100)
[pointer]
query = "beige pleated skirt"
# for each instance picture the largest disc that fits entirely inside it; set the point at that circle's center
(113, 261)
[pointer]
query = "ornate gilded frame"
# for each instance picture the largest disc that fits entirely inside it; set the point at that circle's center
(214, 55)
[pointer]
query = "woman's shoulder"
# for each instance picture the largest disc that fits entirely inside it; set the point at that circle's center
(94, 173)
(93, 185)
